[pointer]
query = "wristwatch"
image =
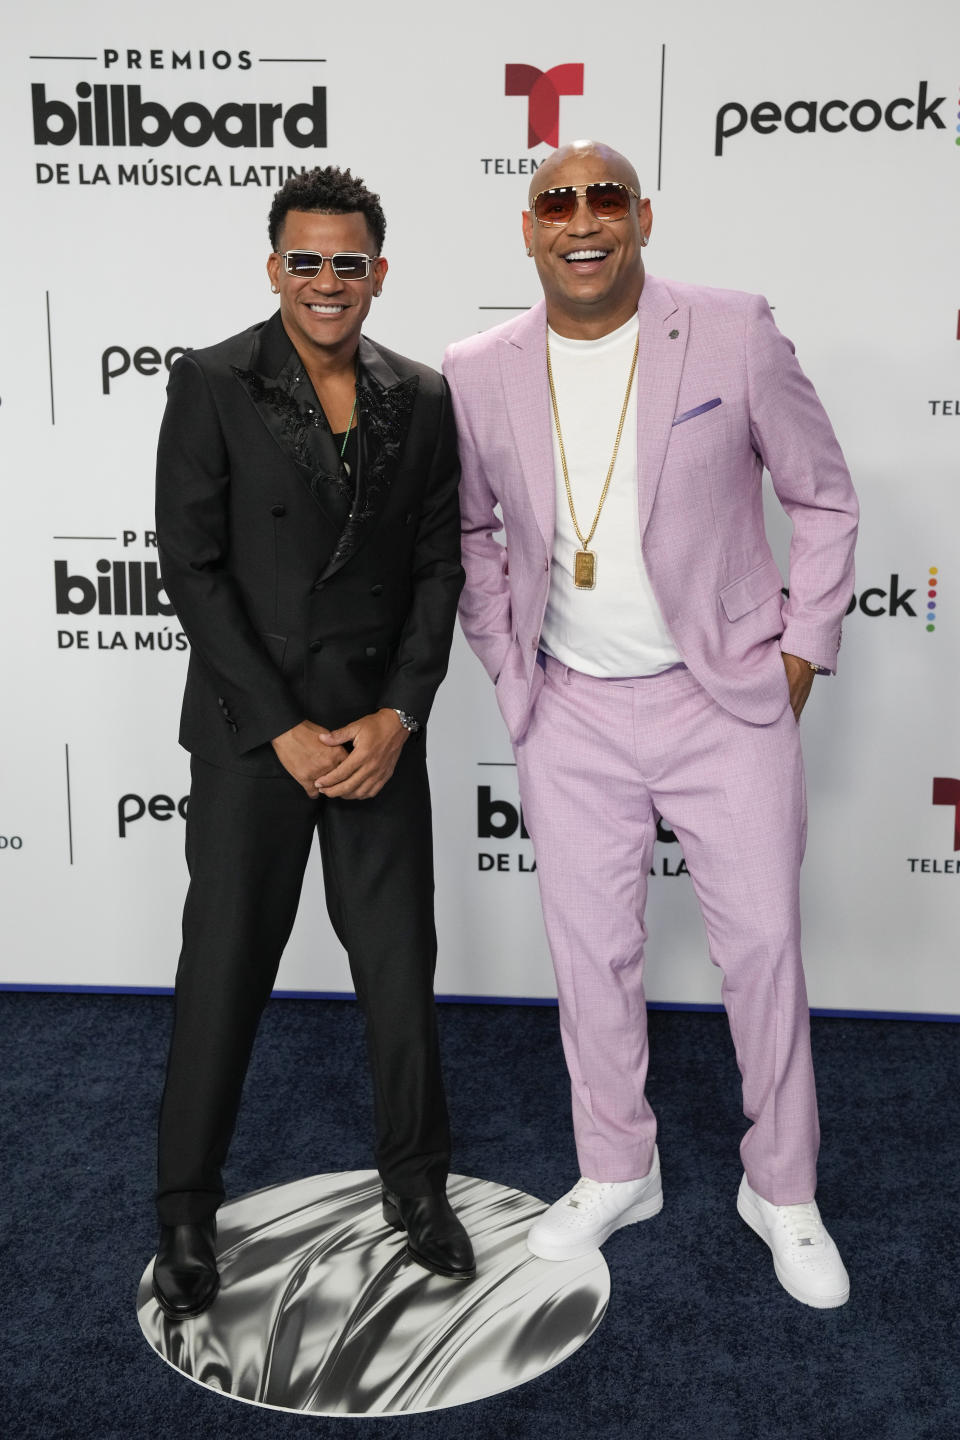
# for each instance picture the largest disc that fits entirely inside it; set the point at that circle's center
(407, 721)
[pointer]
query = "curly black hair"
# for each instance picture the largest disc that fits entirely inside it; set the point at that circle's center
(327, 190)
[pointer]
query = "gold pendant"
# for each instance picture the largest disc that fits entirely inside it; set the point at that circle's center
(584, 569)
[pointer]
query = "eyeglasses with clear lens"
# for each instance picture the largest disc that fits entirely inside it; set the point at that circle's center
(608, 200)
(347, 264)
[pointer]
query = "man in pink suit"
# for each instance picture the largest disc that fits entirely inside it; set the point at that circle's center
(646, 664)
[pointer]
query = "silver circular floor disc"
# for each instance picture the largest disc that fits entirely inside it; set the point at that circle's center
(321, 1311)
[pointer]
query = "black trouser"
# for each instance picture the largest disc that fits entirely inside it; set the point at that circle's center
(248, 839)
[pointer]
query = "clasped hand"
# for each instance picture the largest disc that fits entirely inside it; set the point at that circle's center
(319, 760)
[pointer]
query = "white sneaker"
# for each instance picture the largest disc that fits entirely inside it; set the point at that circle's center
(806, 1260)
(588, 1215)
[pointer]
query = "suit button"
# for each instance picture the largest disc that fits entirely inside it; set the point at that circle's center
(370, 651)
(316, 646)
(376, 589)
(546, 567)
(221, 702)
(408, 517)
(278, 511)
(234, 726)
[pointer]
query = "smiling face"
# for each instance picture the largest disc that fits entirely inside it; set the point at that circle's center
(591, 270)
(323, 316)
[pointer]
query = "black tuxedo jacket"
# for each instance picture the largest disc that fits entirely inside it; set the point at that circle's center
(305, 593)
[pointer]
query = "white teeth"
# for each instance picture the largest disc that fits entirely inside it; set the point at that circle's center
(585, 255)
(326, 309)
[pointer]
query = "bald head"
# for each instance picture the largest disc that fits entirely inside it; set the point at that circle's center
(590, 262)
(618, 166)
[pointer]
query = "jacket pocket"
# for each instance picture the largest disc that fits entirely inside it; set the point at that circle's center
(698, 410)
(751, 590)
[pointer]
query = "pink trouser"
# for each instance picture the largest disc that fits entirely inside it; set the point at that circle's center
(599, 761)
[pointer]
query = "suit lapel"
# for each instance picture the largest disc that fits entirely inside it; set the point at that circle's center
(384, 410)
(280, 391)
(663, 328)
(523, 372)
(283, 397)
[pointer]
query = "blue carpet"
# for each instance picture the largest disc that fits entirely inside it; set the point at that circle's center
(699, 1342)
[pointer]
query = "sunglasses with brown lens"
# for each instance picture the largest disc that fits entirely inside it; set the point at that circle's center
(608, 200)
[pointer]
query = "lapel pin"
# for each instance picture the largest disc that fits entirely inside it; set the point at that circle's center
(674, 334)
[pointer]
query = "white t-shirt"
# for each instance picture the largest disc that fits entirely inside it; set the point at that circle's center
(615, 629)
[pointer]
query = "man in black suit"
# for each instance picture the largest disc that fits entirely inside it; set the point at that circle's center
(308, 528)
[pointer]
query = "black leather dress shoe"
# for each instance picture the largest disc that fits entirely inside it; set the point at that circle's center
(435, 1237)
(185, 1275)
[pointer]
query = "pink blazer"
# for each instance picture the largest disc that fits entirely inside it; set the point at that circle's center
(721, 395)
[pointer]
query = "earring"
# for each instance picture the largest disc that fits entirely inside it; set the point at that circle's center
(529, 251)
(377, 294)
(275, 289)
(643, 239)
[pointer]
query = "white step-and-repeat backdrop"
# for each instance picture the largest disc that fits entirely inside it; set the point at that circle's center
(812, 154)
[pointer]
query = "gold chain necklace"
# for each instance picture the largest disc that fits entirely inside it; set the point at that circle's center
(585, 560)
